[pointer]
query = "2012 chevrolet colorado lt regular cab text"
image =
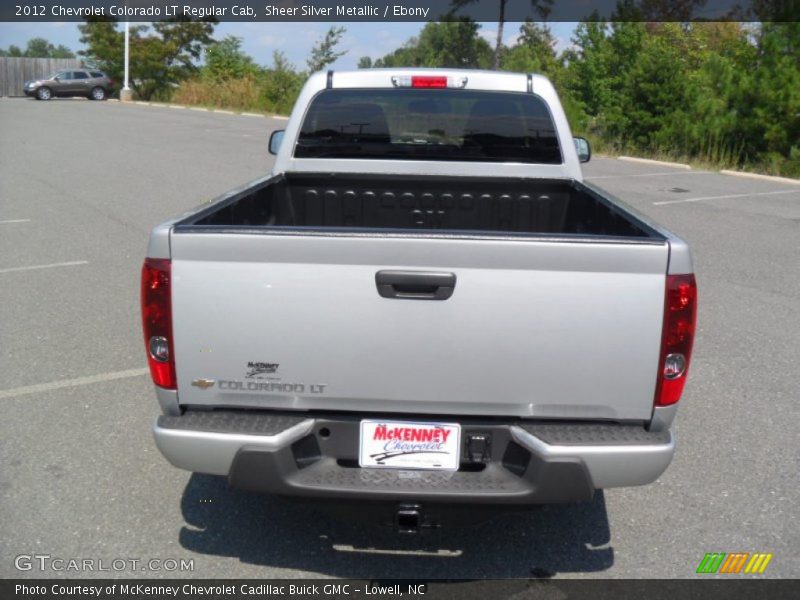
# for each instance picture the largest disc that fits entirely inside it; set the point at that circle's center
(423, 303)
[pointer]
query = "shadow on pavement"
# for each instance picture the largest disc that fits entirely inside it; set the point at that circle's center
(289, 534)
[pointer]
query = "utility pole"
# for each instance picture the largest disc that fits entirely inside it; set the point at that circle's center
(125, 94)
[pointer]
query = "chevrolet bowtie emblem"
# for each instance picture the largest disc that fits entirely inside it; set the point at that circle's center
(203, 383)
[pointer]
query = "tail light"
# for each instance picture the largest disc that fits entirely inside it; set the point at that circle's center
(677, 337)
(157, 321)
(428, 81)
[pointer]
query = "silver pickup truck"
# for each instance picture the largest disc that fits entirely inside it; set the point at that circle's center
(423, 303)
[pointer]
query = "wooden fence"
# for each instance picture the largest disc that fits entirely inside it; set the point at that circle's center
(14, 72)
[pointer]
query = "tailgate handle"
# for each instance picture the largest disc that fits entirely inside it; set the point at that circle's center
(415, 285)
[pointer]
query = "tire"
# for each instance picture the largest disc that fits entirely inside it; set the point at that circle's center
(44, 93)
(98, 93)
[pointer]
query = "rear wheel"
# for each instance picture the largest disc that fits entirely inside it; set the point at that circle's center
(97, 93)
(44, 93)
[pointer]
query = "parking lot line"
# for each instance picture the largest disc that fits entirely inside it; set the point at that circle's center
(749, 175)
(9, 221)
(725, 197)
(650, 161)
(65, 383)
(649, 175)
(73, 263)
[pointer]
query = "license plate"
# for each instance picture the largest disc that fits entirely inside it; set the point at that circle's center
(404, 445)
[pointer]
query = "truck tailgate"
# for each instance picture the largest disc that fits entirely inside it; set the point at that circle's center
(534, 327)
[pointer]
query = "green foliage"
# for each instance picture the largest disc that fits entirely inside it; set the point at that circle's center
(454, 44)
(41, 48)
(324, 51)
(281, 85)
(722, 93)
(541, 7)
(38, 48)
(534, 52)
(226, 60)
(105, 44)
(159, 58)
(725, 93)
(272, 90)
(13, 51)
(775, 122)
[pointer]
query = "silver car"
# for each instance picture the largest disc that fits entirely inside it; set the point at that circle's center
(91, 83)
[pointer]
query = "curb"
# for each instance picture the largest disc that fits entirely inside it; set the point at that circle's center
(774, 178)
(201, 108)
(662, 163)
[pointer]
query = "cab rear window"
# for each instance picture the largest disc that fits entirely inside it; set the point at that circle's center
(429, 124)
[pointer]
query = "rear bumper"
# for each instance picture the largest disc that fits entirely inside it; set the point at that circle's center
(527, 463)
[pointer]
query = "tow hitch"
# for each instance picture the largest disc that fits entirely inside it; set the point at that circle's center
(410, 518)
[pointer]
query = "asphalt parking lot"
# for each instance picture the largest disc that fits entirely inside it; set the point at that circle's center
(82, 183)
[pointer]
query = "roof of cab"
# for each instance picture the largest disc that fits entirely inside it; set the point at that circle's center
(477, 79)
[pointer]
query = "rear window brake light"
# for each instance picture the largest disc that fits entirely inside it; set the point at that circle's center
(428, 81)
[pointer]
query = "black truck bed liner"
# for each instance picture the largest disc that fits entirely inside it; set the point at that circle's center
(364, 202)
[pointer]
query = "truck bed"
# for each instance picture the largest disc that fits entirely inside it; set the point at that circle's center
(549, 290)
(424, 303)
(453, 204)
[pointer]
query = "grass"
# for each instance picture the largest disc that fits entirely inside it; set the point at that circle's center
(709, 162)
(239, 95)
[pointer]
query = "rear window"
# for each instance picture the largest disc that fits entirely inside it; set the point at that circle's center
(423, 124)
(79, 75)
(97, 74)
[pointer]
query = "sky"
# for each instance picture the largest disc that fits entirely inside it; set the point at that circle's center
(259, 40)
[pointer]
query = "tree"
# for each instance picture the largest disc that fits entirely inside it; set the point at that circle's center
(281, 64)
(405, 56)
(625, 44)
(724, 92)
(181, 45)
(39, 48)
(540, 7)
(589, 67)
(454, 44)
(282, 84)
(669, 10)
(365, 62)
(324, 51)
(774, 97)
(159, 59)
(652, 90)
(61, 51)
(13, 51)
(105, 44)
(226, 60)
(534, 52)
